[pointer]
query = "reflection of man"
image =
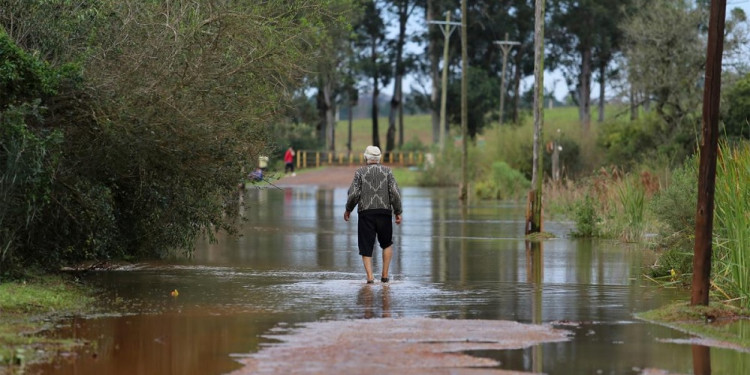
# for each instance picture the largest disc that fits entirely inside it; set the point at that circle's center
(375, 192)
(366, 299)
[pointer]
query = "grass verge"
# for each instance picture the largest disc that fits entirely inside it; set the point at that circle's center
(709, 322)
(27, 308)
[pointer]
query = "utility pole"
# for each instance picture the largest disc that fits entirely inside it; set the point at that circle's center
(534, 219)
(447, 28)
(506, 46)
(463, 194)
(704, 216)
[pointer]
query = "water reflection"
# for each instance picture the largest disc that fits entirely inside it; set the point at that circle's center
(295, 260)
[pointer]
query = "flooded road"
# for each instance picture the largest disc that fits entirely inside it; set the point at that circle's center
(295, 261)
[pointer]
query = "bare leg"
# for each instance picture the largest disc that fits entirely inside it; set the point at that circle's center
(367, 261)
(387, 255)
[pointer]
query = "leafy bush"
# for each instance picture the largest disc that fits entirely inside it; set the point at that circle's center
(503, 182)
(443, 171)
(675, 204)
(26, 180)
(630, 143)
(586, 217)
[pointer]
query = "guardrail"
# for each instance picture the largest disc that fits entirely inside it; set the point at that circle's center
(310, 159)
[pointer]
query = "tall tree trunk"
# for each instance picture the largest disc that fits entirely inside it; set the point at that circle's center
(434, 54)
(349, 133)
(375, 95)
(390, 135)
(463, 194)
(403, 18)
(633, 103)
(584, 90)
(322, 110)
(602, 82)
(330, 116)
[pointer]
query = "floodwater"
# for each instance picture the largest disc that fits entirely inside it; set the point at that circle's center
(294, 261)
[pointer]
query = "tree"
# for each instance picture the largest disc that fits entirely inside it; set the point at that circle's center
(172, 101)
(736, 119)
(334, 54)
(370, 42)
(665, 56)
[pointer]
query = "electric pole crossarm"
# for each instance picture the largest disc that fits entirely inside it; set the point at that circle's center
(506, 46)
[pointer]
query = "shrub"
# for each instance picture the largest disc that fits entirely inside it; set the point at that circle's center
(586, 217)
(445, 170)
(503, 182)
(675, 204)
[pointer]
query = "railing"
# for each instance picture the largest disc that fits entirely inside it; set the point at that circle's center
(310, 159)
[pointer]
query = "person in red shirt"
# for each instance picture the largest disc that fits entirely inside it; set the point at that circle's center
(289, 161)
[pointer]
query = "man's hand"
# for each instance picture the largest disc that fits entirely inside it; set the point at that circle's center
(398, 219)
(346, 215)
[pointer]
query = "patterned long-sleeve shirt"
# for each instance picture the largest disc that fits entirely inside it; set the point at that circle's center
(374, 188)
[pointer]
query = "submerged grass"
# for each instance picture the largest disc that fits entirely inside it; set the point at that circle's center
(26, 307)
(704, 321)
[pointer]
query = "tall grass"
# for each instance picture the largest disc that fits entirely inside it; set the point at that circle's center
(732, 214)
(632, 198)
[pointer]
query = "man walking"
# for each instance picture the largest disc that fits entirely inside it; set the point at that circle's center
(375, 192)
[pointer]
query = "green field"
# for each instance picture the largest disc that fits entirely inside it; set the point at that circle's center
(416, 126)
(420, 127)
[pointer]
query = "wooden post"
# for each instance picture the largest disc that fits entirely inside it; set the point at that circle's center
(704, 216)
(537, 176)
(463, 193)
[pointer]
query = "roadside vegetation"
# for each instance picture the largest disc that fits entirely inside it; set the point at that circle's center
(27, 309)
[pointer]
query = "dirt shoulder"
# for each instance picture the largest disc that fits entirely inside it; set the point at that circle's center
(324, 177)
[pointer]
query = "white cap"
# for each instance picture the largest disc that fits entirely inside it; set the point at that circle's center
(372, 153)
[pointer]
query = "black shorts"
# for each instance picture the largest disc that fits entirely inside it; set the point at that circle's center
(371, 225)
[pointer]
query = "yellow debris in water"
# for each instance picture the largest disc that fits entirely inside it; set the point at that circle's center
(174, 293)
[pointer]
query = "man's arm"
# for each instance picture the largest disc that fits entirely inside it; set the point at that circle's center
(395, 194)
(353, 195)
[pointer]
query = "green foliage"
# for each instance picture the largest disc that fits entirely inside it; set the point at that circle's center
(23, 78)
(586, 217)
(143, 153)
(445, 170)
(29, 162)
(628, 143)
(733, 218)
(675, 264)
(736, 119)
(502, 182)
(482, 98)
(675, 204)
